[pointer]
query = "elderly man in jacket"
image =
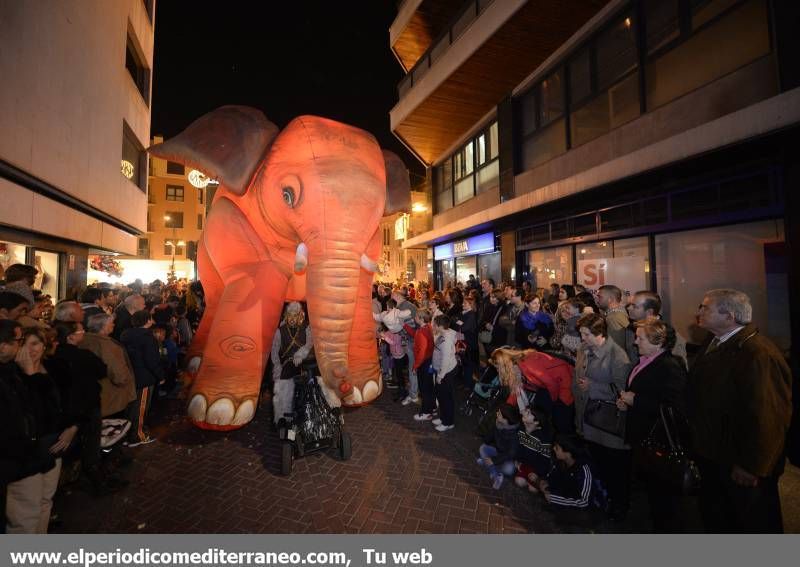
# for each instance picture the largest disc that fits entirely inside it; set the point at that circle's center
(740, 407)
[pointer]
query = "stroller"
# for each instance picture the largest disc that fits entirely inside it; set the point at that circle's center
(313, 425)
(484, 393)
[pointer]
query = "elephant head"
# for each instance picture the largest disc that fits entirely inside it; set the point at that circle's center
(297, 213)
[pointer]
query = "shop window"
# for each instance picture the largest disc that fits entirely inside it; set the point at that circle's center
(748, 257)
(549, 266)
(49, 274)
(137, 69)
(466, 265)
(737, 37)
(175, 193)
(624, 263)
(543, 131)
(447, 273)
(133, 158)
(173, 219)
(10, 254)
(489, 267)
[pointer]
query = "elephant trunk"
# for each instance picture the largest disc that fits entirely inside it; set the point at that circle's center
(331, 299)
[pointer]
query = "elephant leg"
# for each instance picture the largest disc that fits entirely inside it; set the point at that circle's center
(212, 290)
(363, 350)
(224, 395)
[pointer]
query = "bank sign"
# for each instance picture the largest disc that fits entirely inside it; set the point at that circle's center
(480, 244)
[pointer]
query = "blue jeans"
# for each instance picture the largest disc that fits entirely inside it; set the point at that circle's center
(507, 467)
(413, 382)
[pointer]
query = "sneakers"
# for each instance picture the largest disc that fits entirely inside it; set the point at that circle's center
(409, 400)
(436, 421)
(145, 441)
(498, 481)
(442, 428)
(423, 417)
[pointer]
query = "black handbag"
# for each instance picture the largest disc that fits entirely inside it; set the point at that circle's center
(605, 415)
(668, 462)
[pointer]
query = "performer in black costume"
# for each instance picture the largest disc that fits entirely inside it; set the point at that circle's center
(290, 347)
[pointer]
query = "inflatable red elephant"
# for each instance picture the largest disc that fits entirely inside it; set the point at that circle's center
(296, 209)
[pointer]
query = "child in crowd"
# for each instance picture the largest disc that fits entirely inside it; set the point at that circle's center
(535, 453)
(500, 446)
(393, 317)
(569, 482)
(168, 351)
(399, 360)
(423, 353)
(445, 369)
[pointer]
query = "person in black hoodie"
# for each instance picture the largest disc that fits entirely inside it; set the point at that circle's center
(658, 380)
(77, 374)
(570, 482)
(145, 356)
(500, 446)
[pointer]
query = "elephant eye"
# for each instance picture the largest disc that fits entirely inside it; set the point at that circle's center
(288, 196)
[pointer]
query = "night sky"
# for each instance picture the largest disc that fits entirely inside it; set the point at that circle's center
(285, 58)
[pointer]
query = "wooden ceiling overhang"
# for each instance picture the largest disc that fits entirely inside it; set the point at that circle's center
(515, 50)
(428, 22)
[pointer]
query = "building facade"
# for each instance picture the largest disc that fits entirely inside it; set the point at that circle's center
(74, 122)
(645, 143)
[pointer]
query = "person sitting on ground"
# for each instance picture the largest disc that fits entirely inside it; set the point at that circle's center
(144, 354)
(535, 452)
(499, 448)
(570, 481)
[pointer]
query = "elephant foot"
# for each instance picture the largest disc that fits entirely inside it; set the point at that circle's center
(360, 396)
(222, 414)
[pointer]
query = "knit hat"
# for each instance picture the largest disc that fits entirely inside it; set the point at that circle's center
(21, 288)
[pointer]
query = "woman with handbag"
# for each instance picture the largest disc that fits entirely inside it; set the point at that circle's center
(601, 371)
(659, 380)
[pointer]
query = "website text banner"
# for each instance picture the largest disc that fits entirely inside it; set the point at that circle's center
(393, 551)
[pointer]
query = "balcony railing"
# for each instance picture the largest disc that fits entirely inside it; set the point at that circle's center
(468, 13)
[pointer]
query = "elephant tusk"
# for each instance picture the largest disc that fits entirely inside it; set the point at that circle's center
(301, 258)
(368, 264)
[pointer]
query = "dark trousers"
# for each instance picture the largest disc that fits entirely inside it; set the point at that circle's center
(614, 469)
(426, 390)
(445, 394)
(90, 440)
(665, 502)
(563, 417)
(726, 507)
(399, 368)
(469, 363)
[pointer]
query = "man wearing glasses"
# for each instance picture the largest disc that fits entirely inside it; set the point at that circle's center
(739, 406)
(17, 418)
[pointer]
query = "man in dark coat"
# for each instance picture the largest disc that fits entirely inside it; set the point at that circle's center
(145, 356)
(740, 407)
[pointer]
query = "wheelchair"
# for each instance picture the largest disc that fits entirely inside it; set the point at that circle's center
(312, 425)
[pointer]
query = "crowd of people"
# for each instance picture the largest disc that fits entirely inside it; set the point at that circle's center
(576, 387)
(77, 380)
(588, 387)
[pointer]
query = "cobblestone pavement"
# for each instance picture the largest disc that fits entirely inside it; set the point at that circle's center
(403, 477)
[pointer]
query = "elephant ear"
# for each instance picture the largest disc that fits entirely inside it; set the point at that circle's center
(227, 144)
(398, 184)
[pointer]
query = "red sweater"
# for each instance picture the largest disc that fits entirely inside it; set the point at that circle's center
(549, 372)
(423, 343)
